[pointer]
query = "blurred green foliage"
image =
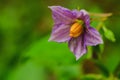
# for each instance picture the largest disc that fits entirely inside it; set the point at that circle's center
(26, 54)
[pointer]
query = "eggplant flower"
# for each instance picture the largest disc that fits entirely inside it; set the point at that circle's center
(73, 27)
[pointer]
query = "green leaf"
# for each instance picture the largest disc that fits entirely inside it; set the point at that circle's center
(109, 34)
(28, 71)
(112, 60)
(47, 53)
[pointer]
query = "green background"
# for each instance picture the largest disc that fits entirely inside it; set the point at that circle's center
(26, 54)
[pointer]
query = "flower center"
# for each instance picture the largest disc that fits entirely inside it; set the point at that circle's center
(76, 29)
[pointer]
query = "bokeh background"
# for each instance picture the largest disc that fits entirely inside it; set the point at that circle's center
(26, 54)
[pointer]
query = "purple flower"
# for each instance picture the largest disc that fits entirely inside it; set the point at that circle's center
(74, 28)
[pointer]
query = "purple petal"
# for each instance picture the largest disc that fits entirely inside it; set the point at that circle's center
(60, 33)
(92, 37)
(84, 12)
(83, 15)
(77, 14)
(62, 15)
(77, 46)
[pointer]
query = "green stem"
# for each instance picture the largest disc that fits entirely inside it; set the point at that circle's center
(101, 14)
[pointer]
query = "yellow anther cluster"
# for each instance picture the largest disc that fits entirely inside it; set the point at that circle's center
(76, 29)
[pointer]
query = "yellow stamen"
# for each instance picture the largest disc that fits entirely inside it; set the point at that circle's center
(76, 29)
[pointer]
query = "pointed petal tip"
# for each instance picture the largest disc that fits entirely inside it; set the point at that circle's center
(51, 7)
(77, 58)
(101, 42)
(49, 39)
(80, 55)
(98, 43)
(84, 11)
